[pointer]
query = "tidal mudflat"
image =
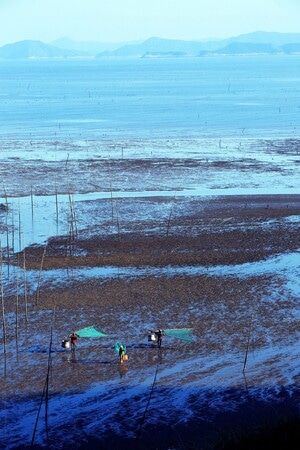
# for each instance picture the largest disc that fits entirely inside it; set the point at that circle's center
(137, 235)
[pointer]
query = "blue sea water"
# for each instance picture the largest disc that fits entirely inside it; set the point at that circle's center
(254, 96)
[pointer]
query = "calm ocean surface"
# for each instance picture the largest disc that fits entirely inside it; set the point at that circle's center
(256, 96)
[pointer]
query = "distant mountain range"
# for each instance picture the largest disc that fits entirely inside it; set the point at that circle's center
(35, 49)
(259, 42)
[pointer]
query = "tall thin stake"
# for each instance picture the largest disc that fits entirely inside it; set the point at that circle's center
(45, 390)
(112, 203)
(56, 205)
(73, 225)
(7, 232)
(118, 220)
(248, 342)
(48, 374)
(2, 303)
(17, 304)
(74, 216)
(32, 206)
(139, 432)
(170, 215)
(39, 278)
(12, 228)
(25, 286)
(20, 231)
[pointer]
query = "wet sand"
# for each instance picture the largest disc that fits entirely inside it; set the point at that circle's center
(190, 232)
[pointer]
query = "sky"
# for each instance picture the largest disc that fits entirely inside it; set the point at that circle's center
(135, 20)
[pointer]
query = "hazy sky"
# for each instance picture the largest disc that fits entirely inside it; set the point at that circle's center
(128, 20)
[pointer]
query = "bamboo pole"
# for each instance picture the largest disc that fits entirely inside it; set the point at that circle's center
(112, 203)
(32, 205)
(248, 342)
(45, 393)
(12, 227)
(39, 277)
(74, 215)
(25, 286)
(114, 209)
(139, 431)
(73, 224)
(48, 371)
(170, 215)
(7, 233)
(2, 302)
(56, 205)
(118, 220)
(71, 216)
(20, 232)
(17, 305)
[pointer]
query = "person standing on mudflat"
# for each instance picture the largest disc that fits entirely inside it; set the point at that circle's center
(73, 338)
(121, 353)
(159, 335)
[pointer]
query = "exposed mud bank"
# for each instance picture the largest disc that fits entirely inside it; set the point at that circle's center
(243, 306)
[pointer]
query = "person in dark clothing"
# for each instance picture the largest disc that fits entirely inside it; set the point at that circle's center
(73, 338)
(121, 353)
(159, 335)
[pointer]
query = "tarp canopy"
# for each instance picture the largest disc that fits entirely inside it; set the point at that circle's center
(180, 333)
(90, 332)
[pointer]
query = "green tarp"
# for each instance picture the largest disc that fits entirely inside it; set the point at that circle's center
(179, 333)
(90, 332)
